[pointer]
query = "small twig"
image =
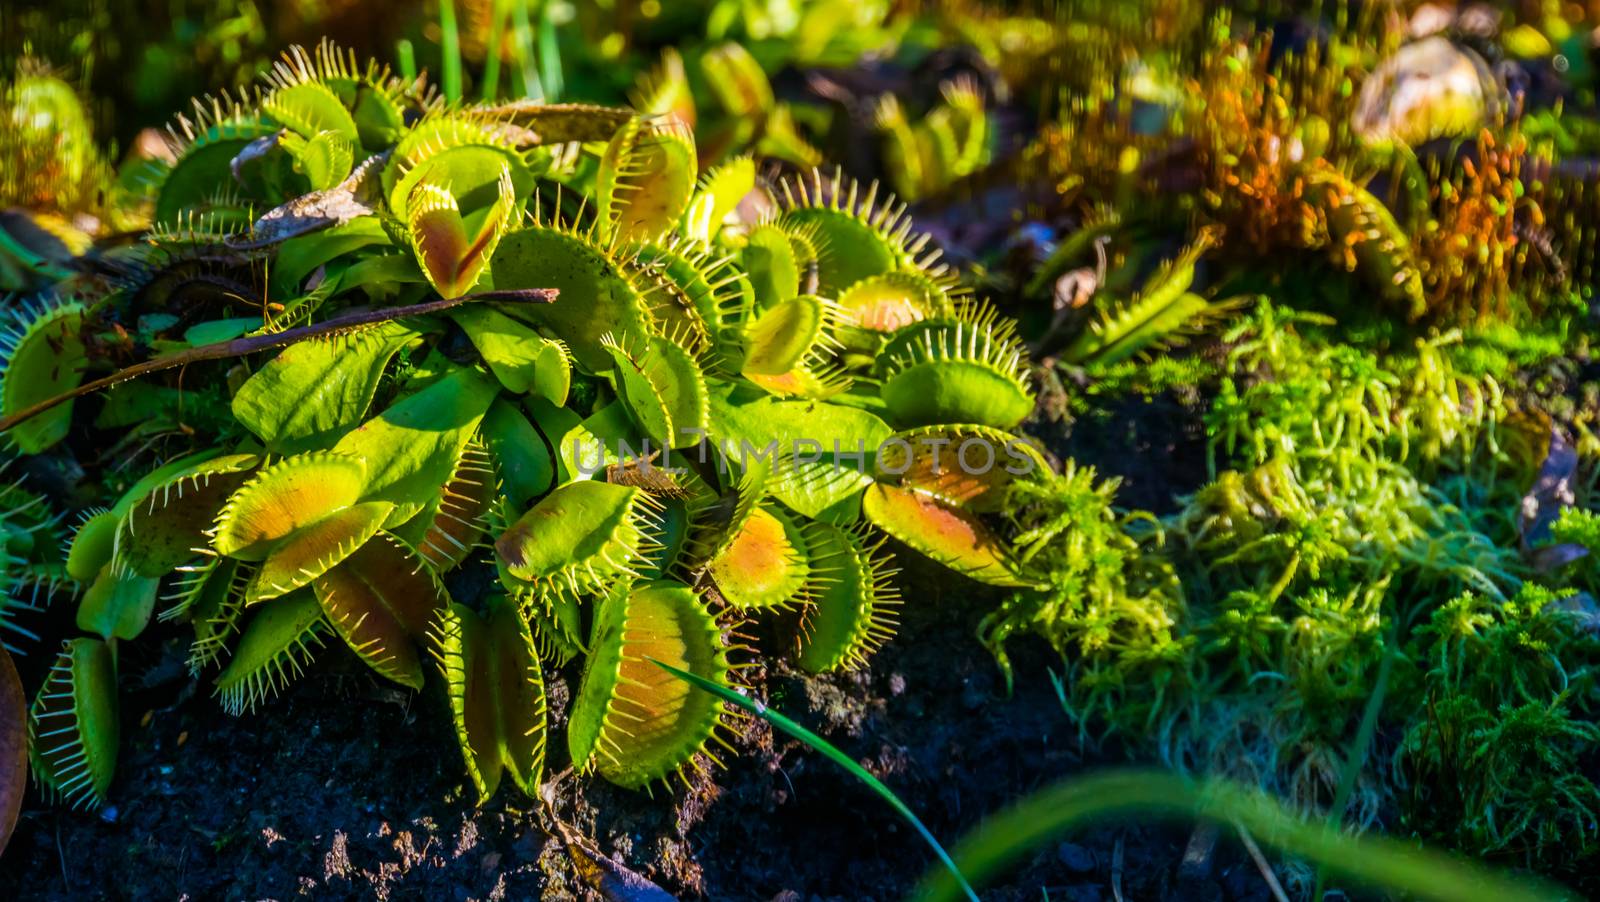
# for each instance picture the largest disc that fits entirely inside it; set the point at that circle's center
(1261, 863)
(239, 347)
(547, 789)
(1100, 262)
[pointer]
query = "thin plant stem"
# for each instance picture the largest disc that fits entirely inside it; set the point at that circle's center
(827, 749)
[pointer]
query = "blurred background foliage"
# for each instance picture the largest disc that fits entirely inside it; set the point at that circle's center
(141, 60)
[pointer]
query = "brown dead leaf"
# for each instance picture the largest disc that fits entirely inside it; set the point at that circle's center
(606, 876)
(557, 123)
(360, 194)
(13, 746)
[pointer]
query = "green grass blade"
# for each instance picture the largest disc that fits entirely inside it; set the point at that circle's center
(406, 59)
(491, 61)
(549, 54)
(840, 758)
(449, 51)
(1358, 751)
(1375, 861)
(525, 77)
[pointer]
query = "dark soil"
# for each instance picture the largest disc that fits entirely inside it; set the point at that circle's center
(344, 788)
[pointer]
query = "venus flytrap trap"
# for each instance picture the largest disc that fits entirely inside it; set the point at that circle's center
(503, 339)
(43, 355)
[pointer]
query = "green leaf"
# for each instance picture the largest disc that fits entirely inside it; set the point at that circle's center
(299, 257)
(164, 524)
(205, 169)
(645, 179)
(411, 449)
(663, 388)
(272, 651)
(596, 297)
(496, 692)
(382, 600)
(522, 459)
(313, 549)
(313, 392)
(310, 108)
(523, 360)
(92, 546)
(73, 725)
(594, 444)
(783, 334)
(282, 498)
(325, 159)
(41, 356)
(944, 532)
(454, 248)
(718, 195)
(632, 723)
(583, 535)
(221, 330)
(118, 604)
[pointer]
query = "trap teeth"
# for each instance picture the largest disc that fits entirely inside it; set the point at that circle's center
(952, 370)
(851, 610)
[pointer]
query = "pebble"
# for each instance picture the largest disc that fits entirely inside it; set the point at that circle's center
(1432, 88)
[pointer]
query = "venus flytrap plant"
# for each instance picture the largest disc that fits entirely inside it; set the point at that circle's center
(1164, 315)
(951, 141)
(442, 309)
(632, 723)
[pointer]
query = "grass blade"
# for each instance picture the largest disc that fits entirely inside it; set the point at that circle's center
(525, 77)
(1358, 751)
(840, 758)
(449, 51)
(491, 60)
(1376, 861)
(549, 54)
(406, 59)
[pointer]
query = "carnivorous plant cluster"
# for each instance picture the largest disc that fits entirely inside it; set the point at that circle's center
(533, 340)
